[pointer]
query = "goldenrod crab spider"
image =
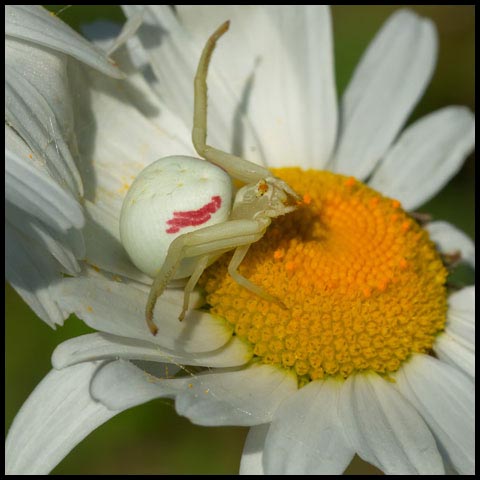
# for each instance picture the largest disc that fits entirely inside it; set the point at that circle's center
(176, 218)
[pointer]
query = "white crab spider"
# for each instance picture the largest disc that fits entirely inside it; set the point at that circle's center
(176, 218)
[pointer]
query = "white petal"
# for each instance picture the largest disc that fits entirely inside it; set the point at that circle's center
(292, 104)
(449, 239)
(252, 455)
(456, 353)
(61, 248)
(426, 156)
(34, 120)
(65, 244)
(385, 429)
(386, 85)
(120, 385)
(104, 248)
(65, 247)
(97, 346)
(37, 25)
(463, 300)
(17, 145)
(46, 70)
(119, 308)
(445, 399)
(32, 190)
(305, 436)
(461, 314)
(457, 345)
(243, 397)
(32, 273)
(58, 415)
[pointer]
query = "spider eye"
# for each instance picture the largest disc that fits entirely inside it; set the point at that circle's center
(262, 188)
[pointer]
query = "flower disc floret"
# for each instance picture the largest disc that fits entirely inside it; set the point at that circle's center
(363, 284)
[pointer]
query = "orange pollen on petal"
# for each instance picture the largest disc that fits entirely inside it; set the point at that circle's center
(362, 283)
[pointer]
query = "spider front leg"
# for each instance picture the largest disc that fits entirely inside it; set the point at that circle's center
(237, 167)
(209, 241)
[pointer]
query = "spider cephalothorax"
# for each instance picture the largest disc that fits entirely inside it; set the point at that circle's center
(267, 198)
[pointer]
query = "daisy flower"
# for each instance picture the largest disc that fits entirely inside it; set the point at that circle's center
(373, 355)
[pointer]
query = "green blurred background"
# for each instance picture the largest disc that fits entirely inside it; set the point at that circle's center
(151, 438)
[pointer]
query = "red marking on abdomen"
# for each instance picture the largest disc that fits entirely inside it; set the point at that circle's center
(192, 218)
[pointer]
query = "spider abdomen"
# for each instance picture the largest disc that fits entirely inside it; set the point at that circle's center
(170, 197)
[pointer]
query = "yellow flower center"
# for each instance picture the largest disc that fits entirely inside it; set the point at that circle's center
(363, 284)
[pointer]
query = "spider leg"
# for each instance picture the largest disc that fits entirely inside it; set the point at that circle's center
(209, 241)
(200, 266)
(169, 267)
(235, 262)
(237, 167)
